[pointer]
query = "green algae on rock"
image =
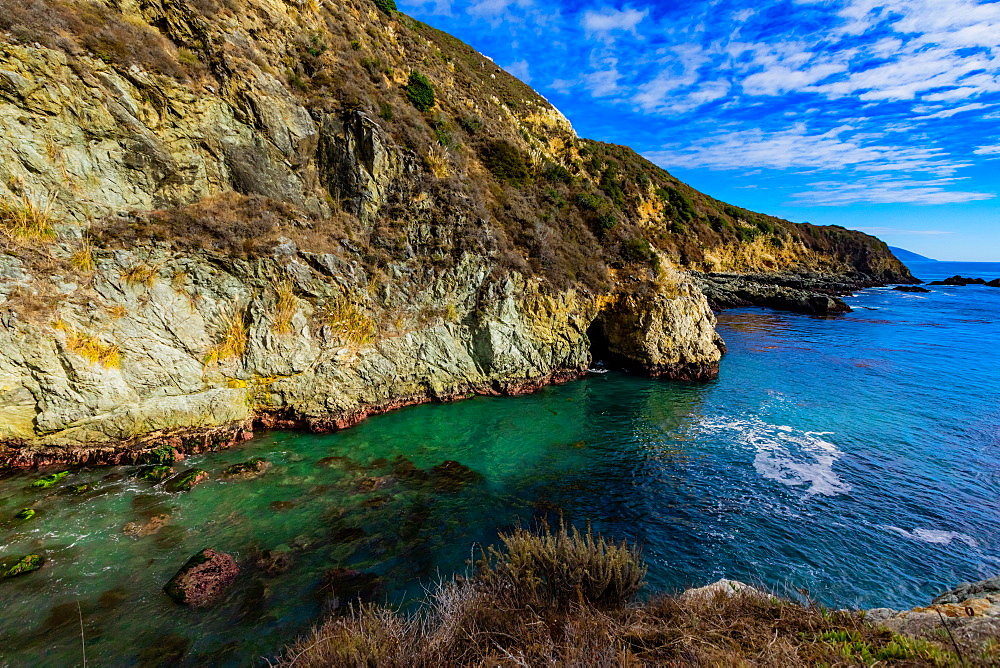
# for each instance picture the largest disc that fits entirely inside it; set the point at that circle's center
(79, 489)
(49, 480)
(185, 481)
(25, 514)
(246, 470)
(12, 567)
(155, 473)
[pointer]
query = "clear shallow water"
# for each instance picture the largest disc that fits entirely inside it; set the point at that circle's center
(857, 458)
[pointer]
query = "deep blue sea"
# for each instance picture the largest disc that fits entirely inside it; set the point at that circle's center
(854, 460)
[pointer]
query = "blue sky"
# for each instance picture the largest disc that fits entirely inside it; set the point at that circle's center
(883, 117)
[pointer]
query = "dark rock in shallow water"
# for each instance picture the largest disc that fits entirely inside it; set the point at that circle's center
(246, 470)
(404, 469)
(203, 579)
(348, 534)
(959, 280)
(451, 476)
(25, 514)
(343, 585)
(910, 288)
(995, 283)
(155, 473)
(273, 562)
(14, 566)
(282, 505)
(185, 481)
(165, 651)
(139, 529)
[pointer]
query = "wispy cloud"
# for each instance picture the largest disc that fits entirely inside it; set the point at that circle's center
(882, 190)
(988, 150)
(796, 148)
(604, 22)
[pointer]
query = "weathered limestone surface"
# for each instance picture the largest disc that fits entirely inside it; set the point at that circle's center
(157, 346)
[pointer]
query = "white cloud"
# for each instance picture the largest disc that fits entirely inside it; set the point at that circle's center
(494, 8)
(988, 150)
(602, 23)
(948, 113)
(603, 83)
(886, 190)
(520, 69)
(798, 149)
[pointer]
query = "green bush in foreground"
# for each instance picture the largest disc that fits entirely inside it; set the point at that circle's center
(419, 91)
(387, 6)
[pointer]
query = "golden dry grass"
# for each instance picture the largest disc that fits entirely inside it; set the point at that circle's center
(141, 273)
(24, 221)
(233, 343)
(90, 347)
(351, 323)
(285, 308)
(533, 603)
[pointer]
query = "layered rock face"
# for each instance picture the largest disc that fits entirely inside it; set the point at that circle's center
(219, 217)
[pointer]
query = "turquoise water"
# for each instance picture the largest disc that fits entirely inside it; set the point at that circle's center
(856, 459)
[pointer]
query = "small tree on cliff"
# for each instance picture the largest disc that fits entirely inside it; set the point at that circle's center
(419, 91)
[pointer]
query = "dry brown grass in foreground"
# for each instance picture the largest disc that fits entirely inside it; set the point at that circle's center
(562, 599)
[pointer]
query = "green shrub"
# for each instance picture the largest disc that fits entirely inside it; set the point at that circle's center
(387, 6)
(385, 111)
(556, 172)
(471, 124)
(506, 163)
(589, 202)
(419, 91)
(606, 221)
(560, 569)
(638, 249)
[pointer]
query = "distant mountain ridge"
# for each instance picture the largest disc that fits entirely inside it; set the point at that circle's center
(905, 255)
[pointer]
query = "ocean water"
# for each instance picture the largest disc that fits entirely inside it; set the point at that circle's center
(854, 460)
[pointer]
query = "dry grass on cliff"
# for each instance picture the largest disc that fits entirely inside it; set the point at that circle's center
(563, 599)
(26, 221)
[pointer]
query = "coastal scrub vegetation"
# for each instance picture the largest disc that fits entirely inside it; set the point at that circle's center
(566, 598)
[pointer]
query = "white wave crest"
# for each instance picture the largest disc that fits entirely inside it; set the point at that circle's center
(785, 455)
(936, 536)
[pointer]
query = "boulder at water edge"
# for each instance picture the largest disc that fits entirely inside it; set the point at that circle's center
(203, 579)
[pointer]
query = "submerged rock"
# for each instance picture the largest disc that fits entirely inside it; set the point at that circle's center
(25, 514)
(451, 476)
(19, 566)
(343, 585)
(139, 530)
(910, 288)
(185, 481)
(246, 470)
(404, 469)
(78, 489)
(273, 562)
(49, 480)
(282, 505)
(157, 473)
(204, 579)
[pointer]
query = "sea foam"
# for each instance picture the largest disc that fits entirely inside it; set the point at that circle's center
(786, 455)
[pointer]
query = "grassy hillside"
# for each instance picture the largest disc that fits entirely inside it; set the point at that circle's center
(490, 166)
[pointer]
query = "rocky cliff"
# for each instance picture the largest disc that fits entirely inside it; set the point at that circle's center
(217, 214)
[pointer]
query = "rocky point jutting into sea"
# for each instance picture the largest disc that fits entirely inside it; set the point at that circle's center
(224, 215)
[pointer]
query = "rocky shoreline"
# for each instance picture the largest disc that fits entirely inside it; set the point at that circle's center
(810, 293)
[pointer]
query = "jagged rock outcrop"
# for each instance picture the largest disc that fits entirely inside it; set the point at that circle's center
(216, 219)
